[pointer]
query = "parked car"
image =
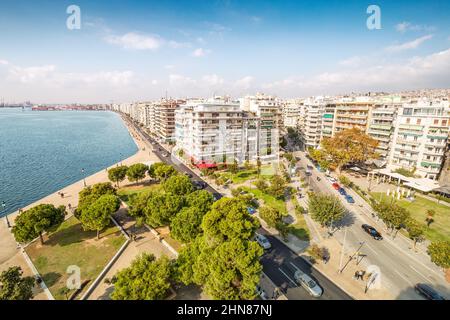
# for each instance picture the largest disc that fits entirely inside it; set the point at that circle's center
(349, 199)
(336, 186)
(251, 210)
(308, 173)
(372, 232)
(261, 293)
(263, 241)
(165, 155)
(331, 179)
(342, 191)
(188, 174)
(427, 292)
(308, 284)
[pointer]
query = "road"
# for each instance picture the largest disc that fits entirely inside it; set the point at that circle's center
(400, 267)
(279, 264)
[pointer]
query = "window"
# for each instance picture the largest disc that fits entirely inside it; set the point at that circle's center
(408, 120)
(418, 121)
(444, 122)
(436, 121)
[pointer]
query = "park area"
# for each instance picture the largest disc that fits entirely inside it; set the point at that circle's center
(71, 245)
(418, 208)
(127, 193)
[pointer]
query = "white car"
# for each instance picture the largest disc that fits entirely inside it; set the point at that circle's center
(263, 241)
(308, 284)
(331, 179)
(261, 292)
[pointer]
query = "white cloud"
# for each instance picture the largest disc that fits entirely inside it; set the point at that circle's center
(4, 62)
(201, 40)
(169, 66)
(200, 52)
(407, 26)
(135, 41)
(175, 44)
(30, 74)
(155, 82)
(245, 82)
(409, 45)
(212, 80)
(180, 80)
(351, 62)
(419, 72)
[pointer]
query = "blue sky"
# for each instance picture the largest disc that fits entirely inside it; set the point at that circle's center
(138, 50)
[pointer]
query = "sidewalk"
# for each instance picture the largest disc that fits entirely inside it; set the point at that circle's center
(11, 256)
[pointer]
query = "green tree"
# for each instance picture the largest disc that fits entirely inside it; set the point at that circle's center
(15, 287)
(228, 219)
(117, 174)
(161, 171)
(394, 216)
(271, 216)
(325, 209)
(201, 200)
(145, 279)
(98, 215)
(161, 208)
(178, 184)
(346, 182)
(137, 172)
(439, 253)
(350, 145)
(33, 222)
(415, 230)
(185, 226)
(89, 195)
(261, 184)
(277, 187)
(137, 205)
(233, 167)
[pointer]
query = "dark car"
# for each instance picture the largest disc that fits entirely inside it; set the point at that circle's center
(349, 199)
(342, 191)
(188, 174)
(199, 185)
(427, 292)
(372, 232)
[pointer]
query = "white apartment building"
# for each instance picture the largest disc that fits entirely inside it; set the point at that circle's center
(420, 137)
(221, 132)
(311, 126)
(292, 111)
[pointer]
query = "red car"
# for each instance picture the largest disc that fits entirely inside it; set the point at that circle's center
(336, 186)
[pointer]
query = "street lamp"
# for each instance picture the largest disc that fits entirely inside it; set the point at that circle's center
(84, 180)
(6, 216)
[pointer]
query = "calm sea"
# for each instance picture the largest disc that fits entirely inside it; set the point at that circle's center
(42, 152)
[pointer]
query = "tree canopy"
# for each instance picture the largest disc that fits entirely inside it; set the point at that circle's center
(145, 279)
(201, 200)
(161, 171)
(89, 195)
(117, 174)
(33, 222)
(439, 252)
(97, 216)
(185, 226)
(178, 184)
(277, 187)
(137, 172)
(325, 209)
(15, 287)
(161, 208)
(228, 219)
(347, 146)
(271, 216)
(392, 214)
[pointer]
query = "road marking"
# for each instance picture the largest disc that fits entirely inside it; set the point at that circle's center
(424, 276)
(287, 277)
(373, 250)
(295, 267)
(403, 277)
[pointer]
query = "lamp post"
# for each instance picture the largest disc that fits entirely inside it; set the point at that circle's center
(84, 180)
(6, 216)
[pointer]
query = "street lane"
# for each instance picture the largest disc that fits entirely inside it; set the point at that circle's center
(279, 257)
(400, 268)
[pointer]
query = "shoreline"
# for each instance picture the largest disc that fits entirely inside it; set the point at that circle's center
(10, 253)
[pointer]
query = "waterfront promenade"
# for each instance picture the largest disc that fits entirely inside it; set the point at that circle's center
(10, 252)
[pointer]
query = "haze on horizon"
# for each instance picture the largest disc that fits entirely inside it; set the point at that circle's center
(128, 51)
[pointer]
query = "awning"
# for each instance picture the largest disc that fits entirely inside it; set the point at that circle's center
(424, 185)
(444, 190)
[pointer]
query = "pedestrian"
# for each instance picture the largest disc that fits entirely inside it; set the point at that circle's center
(355, 276)
(62, 195)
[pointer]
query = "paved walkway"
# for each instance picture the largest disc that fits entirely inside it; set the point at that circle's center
(11, 256)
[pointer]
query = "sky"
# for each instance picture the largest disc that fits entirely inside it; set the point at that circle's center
(141, 50)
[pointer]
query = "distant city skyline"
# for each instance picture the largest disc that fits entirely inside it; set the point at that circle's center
(129, 51)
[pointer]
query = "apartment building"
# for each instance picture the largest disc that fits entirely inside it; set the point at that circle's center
(292, 111)
(420, 137)
(311, 125)
(221, 132)
(382, 124)
(352, 113)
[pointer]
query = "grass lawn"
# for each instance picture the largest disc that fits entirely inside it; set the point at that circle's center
(71, 245)
(439, 229)
(268, 199)
(243, 175)
(126, 193)
(299, 228)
